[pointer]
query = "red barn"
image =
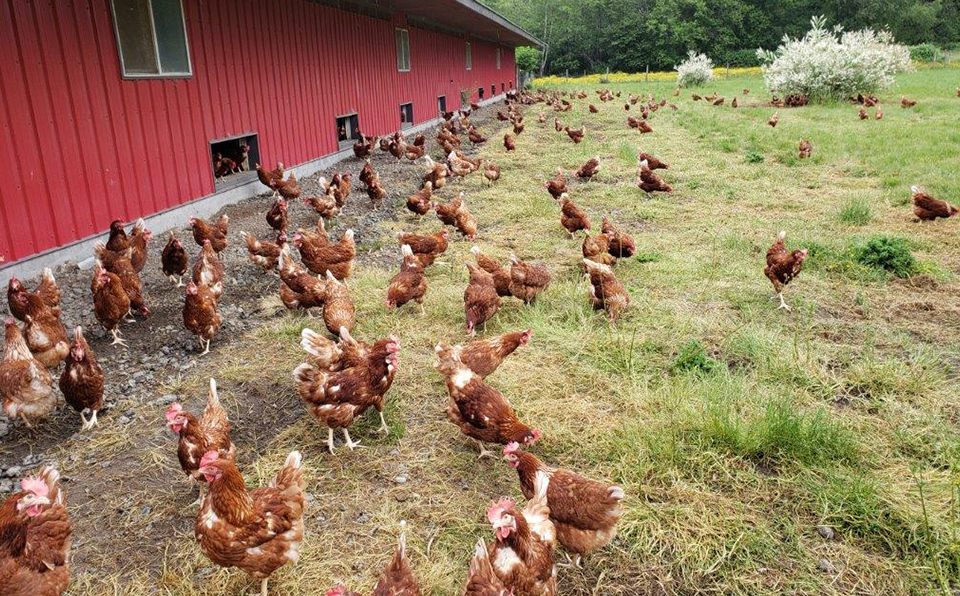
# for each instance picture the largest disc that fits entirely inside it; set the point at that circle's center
(116, 109)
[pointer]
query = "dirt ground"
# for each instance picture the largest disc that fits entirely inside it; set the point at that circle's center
(106, 481)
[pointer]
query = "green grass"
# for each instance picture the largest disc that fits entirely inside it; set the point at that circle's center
(734, 428)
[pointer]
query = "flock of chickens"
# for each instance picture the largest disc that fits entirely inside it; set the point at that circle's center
(259, 531)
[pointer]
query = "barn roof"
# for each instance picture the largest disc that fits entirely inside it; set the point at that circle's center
(450, 16)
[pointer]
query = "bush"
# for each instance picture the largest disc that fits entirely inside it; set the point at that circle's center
(696, 70)
(926, 52)
(528, 59)
(833, 64)
(887, 253)
(739, 58)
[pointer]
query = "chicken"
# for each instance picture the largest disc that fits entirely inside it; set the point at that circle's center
(557, 186)
(772, 122)
(258, 531)
(414, 152)
(621, 245)
(480, 299)
(593, 109)
(906, 103)
(139, 237)
(325, 205)
(805, 149)
(419, 202)
(596, 248)
(557, 125)
(198, 437)
(174, 260)
(120, 264)
(398, 578)
(336, 399)
(410, 285)
(437, 176)
(82, 380)
(289, 188)
(527, 281)
(734, 103)
(329, 356)
(491, 172)
(575, 135)
(584, 512)
(426, 248)
(509, 143)
(208, 270)
(783, 266)
(695, 97)
(501, 275)
(376, 192)
(928, 208)
(719, 101)
(475, 137)
(35, 538)
(47, 290)
(481, 412)
(110, 301)
(25, 385)
(338, 309)
(200, 315)
(652, 162)
(216, 233)
(484, 356)
(264, 254)
(277, 216)
(321, 257)
(589, 169)
(299, 289)
(572, 217)
(270, 178)
(522, 554)
(863, 113)
(456, 214)
(648, 181)
(606, 291)
(481, 578)
(43, 331)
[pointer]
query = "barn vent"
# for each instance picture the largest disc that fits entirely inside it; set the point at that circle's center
(233, 159)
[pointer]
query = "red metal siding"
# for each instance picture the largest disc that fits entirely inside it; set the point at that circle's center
(81, 146)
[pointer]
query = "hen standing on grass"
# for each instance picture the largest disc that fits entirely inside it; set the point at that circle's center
(35, 538)
(584, 512)
(783, 266)
(480, 299)
(258, 531)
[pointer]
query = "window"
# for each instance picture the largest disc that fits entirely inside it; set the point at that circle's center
(498, 58)
(469, 57)
(406, 115)
(151, 38)
(233, 157)
(480, 92)
(348, 129)
(442, 104)
(403, 50)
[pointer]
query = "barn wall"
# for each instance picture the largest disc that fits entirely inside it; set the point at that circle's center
(81, 146)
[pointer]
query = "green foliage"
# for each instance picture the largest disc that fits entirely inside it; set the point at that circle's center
(754, 156)
(693, 359)
(926, 52)
(590, 36)
(856, 212)
(888, 253)
(528, 59)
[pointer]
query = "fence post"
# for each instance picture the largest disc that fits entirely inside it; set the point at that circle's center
(728, 70)
(646, 78)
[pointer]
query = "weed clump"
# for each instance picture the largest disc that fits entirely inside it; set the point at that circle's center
(693, 359)
(856, 212)
(887, 253)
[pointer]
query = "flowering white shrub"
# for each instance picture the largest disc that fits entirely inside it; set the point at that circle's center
(833, 64)
(696, 70)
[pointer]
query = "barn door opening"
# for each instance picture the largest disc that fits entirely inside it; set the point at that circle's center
(233, 159)
(348, 130)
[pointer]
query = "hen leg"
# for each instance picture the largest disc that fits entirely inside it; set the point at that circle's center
(383, 425)
(180, 281)
(783, 304)
(349, 443)
(116, 338)
(484, 452)
(330, 439)
(207, 350)
(93, 419)
(199, 501)
(263, 587)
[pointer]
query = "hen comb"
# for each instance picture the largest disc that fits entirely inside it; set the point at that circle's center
(497, 509)
(511, 448)
(173, 411)
(338, 591)
(35, 485)
(208, 457)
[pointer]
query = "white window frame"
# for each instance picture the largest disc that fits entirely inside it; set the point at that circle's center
(469, 56)
(156, 49)
(402, 42)
(498, 58)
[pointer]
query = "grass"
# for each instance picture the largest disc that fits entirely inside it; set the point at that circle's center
(735, 429)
